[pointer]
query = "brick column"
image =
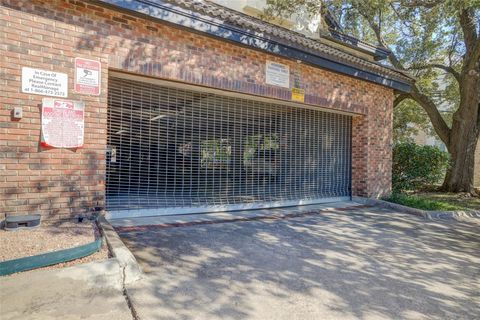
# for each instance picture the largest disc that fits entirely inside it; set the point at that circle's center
(372, 149)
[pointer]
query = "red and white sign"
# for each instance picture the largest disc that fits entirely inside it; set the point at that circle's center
(87, 76)
(62, 123)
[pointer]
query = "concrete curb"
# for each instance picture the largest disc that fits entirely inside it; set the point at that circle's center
(131, 269)
(430, 215)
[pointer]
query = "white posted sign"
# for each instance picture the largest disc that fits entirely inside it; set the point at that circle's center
(277, 74)
(43, 82)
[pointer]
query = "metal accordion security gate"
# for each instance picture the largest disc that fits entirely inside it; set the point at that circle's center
(173, 151)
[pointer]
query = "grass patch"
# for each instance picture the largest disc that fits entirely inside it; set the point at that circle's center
(460, 200)
(424, 203)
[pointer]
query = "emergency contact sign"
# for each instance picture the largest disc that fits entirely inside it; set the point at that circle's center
(62, 123)
(47, 83)
(277, 74)
(87, 76)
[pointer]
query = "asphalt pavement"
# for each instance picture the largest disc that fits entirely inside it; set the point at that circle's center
(365, 263)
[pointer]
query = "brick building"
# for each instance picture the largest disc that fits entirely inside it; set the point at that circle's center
(198, 108)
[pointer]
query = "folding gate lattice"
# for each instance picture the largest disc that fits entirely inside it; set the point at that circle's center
(170, 148)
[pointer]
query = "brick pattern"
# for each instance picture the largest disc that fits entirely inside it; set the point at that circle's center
(50, 34)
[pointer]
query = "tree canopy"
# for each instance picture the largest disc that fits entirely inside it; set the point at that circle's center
(435, 41)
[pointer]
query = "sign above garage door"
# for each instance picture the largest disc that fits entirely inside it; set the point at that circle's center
(277, 74)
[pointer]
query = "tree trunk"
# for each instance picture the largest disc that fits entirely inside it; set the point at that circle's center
(461, 139)
(459, 177)
(464, 136)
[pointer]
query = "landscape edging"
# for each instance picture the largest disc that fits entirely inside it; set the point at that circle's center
(430, 215)
(49, 258)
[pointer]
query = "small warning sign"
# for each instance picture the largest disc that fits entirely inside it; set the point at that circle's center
(62, 123)
(87, 76)
(298, 95)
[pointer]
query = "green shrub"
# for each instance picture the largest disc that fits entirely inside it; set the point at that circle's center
(416, 166)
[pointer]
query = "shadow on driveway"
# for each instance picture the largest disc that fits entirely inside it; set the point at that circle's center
(364, 264)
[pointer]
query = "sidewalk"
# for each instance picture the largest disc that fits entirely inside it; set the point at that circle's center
(88, 291)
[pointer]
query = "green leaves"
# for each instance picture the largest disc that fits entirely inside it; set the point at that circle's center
(408, 119)
(416, 166)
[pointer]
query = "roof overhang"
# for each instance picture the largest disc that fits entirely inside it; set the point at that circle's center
(216, 27)
(378, 53)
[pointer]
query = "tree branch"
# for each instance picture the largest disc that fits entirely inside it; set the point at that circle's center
(439, 124)
(438, 66)
(418, 3)
(376, 29)
(403, 21)
(453, 46)
(399, 99)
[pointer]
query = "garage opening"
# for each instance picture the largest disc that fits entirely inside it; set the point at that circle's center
(176, 151)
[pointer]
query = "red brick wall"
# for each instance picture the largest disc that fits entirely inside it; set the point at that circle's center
(50, 34)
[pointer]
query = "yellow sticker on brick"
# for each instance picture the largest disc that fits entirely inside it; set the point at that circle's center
(298, 95)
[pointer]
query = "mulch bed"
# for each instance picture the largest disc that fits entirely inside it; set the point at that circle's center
(51, 235)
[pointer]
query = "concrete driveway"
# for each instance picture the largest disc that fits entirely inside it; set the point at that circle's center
(366, 263)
